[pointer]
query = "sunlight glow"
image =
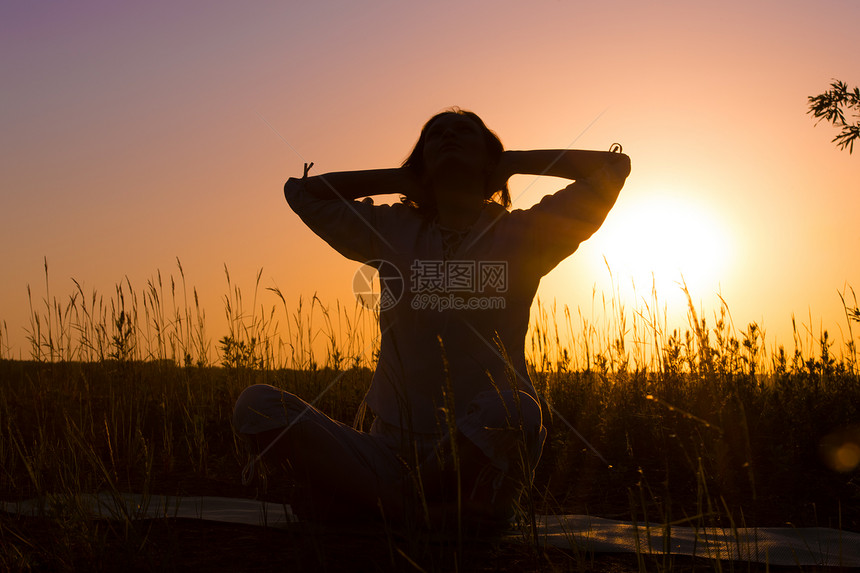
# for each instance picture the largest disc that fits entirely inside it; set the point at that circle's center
(668, 239)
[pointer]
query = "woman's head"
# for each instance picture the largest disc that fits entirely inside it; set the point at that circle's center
(463, 136)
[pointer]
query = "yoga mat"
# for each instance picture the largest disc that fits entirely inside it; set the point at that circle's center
(136, 506)
(774, 545)
(784, 546)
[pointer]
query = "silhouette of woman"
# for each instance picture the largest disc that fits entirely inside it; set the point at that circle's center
(457, 427)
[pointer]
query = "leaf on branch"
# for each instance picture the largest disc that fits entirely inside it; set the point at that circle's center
(829, 106)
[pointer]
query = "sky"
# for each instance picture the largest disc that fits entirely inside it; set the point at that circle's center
(138, 133)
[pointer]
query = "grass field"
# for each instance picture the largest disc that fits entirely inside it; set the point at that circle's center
(701, 425)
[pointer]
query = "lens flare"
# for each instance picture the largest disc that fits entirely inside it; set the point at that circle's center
(840, 450)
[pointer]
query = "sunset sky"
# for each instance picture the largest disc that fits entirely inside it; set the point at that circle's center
(136, 133)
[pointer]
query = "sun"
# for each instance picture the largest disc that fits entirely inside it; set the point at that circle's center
(666, 239)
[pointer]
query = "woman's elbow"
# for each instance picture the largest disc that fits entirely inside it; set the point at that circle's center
(291, 187)
(298, 192)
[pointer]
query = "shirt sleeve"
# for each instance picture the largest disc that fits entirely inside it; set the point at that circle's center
(348, 226)
(555, 227)
(355, 229)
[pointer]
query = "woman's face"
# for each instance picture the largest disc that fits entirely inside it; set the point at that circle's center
(455, 142)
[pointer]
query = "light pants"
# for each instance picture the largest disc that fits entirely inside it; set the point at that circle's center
(506, 426)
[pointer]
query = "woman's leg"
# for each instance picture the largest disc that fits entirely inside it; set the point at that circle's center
(320, 461)
(345, 469)
(497, 446)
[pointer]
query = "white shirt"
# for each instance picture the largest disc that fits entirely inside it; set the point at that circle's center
(482, 347)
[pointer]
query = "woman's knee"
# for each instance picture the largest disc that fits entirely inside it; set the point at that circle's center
(507, 427)
(506, 409)
(262, 408)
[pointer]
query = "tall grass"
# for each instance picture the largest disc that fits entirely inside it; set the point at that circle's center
(164, 321)
(705, 423)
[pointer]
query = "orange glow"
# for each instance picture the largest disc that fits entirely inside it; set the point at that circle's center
(143, 132)
(668, 238)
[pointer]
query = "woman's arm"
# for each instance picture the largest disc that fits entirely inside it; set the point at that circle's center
(350, 185)
(562, 220)
(565, 163)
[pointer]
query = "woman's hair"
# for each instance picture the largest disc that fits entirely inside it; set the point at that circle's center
(415, 162)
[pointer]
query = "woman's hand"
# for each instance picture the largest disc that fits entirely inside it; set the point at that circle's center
(565, 163)
(350, 185)
(410, 186)
(502, 171)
